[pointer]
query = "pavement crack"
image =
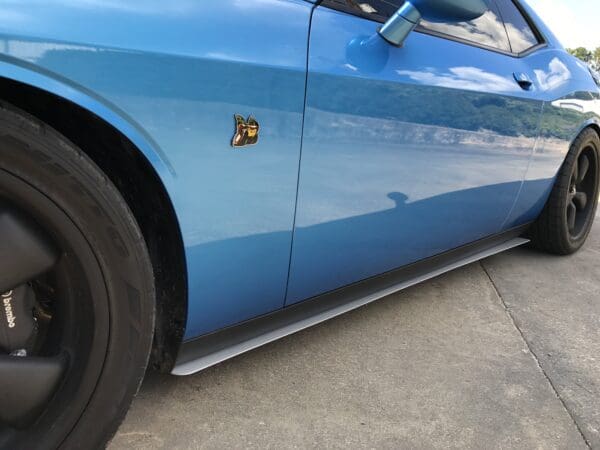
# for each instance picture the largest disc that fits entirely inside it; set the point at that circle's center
(533, 354)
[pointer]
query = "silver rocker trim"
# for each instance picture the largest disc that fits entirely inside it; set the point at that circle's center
(217, 347)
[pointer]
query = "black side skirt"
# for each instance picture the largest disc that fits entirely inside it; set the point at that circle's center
(211, 349)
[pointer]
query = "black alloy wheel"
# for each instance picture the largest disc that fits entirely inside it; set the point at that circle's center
(582, 188)
(568, 216)
(76, 290)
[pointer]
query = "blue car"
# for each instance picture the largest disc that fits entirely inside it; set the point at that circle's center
(184, 181)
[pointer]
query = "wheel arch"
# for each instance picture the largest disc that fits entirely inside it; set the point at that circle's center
(139, 171)
(596, 127)
(593, 123)
(590, 124)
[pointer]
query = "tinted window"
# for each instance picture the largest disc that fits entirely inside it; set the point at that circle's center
(519, 32)
(487, 30)
(379, 10)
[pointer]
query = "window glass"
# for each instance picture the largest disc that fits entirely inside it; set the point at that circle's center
(379, 10)
(519, 32)
(487, 30)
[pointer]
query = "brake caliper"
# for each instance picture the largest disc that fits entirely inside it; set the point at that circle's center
(18, 326)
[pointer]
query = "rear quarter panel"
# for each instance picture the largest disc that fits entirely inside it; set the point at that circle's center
(571, 103)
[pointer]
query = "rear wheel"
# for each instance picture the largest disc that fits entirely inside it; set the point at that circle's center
(77, 293)
(568, 216)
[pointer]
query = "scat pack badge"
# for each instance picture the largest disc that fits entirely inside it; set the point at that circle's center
(246, 131)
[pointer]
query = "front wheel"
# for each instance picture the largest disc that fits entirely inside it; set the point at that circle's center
(76, 289)
(568, 216)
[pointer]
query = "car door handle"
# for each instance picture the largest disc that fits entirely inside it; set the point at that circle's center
(523, 80)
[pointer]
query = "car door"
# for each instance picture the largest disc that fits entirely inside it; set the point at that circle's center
(407, 152)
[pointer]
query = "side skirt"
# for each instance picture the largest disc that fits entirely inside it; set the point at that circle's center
(211, 349)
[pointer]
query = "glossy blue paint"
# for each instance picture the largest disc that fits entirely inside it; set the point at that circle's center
(405, 155)
(31, 75)
(569, 105)
(562, 82)
(166, 70)
(407, 152)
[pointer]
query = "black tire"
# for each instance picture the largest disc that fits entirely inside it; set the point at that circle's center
(103, 319)
(566, 221)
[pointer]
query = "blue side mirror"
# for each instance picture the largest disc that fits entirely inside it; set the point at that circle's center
(408, 16)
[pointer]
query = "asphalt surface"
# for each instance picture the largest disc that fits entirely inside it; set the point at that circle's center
(499, 354)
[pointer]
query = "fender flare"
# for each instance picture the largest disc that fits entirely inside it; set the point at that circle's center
(52, 83)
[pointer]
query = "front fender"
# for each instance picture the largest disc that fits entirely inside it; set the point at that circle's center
(28, 74)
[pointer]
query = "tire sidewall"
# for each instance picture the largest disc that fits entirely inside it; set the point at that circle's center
(587, 139)
(53, 166)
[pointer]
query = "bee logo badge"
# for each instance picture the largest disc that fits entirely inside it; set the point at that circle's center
(246, 131)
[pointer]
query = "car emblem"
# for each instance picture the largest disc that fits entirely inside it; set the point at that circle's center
(246, 131)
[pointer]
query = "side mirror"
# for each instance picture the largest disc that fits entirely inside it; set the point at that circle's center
(408, 16)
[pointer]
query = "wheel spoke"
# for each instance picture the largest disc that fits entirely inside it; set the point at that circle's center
(571, 216)
(25, 252)
(26, 385)
(575, 176)
(580, 200)
(583, 167)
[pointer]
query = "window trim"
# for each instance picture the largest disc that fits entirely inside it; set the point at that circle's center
(534, 27)
(543, 43)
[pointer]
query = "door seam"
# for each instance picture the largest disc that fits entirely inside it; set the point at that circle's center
(532, 154)
(287, 284)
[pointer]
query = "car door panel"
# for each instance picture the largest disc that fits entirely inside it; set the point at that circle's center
(407, 152)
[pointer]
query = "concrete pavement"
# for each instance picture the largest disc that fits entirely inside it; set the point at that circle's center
(500, 354)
